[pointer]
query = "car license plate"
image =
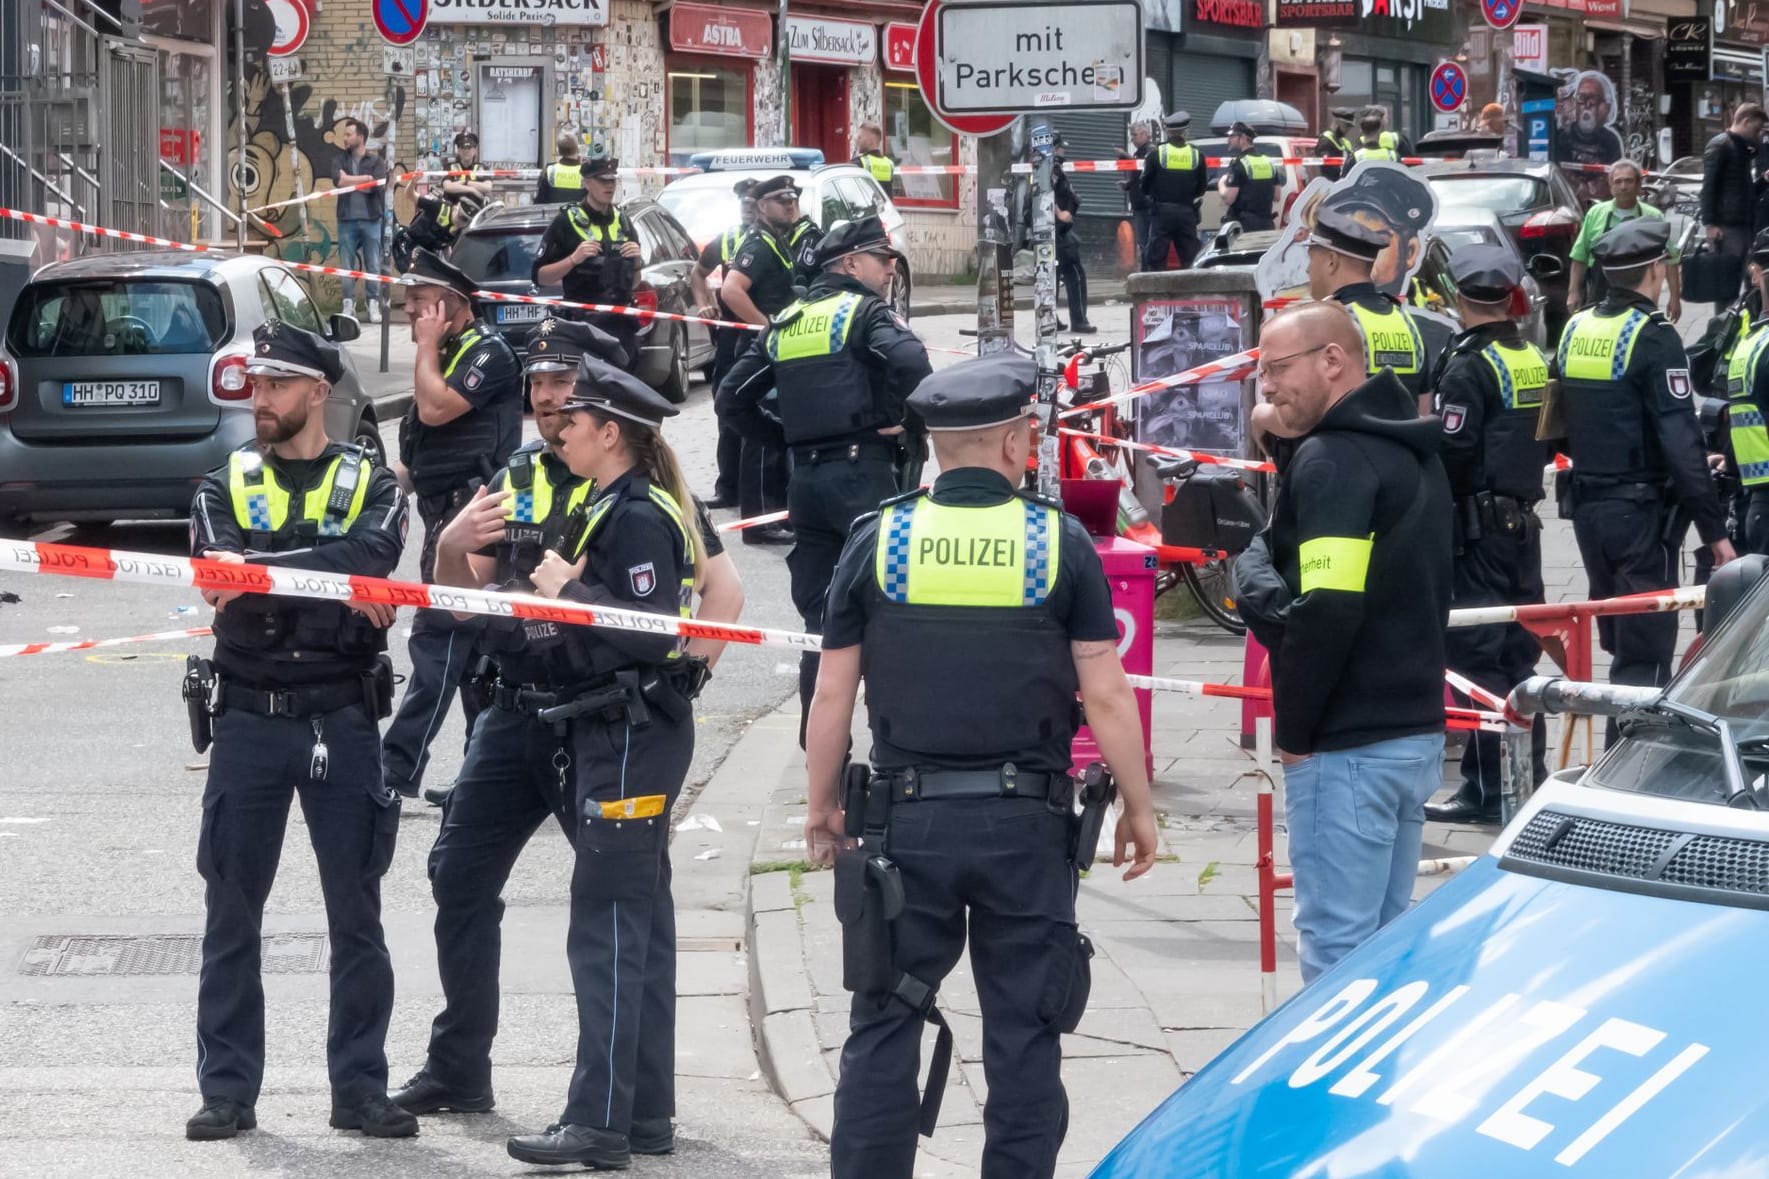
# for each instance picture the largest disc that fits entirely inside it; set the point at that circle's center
(82, 393)
(521, 313)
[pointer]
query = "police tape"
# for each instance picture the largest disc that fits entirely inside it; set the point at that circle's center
(164, 636)
(1229, 368)
(752, 522)
(1175, 452)
(446, 174)
(1456, 718)
(1653, 602)
(1474, 691)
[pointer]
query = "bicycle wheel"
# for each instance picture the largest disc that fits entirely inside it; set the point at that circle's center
(1213, 585)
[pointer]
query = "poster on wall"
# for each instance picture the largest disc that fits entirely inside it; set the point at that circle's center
(1173, 335)
(1376, 193)
(1587, 132)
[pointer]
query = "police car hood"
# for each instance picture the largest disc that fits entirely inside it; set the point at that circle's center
(1524, 1020)
(1382, 406)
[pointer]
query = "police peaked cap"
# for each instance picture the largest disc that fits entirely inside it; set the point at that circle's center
(1399, 198)
(852, 237)
(1345, 114)
(1240, 128)
(746, 188)
(558, 344)
(609, 390)
(774, 184)
(1760, 247)
(282, 350)
(1633, 243)
(1486, 273)
(429, 270)
(1177, 121)
(977, 394)
(1339, 232)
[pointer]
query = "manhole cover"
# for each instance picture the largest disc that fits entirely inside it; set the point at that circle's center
(162, 953)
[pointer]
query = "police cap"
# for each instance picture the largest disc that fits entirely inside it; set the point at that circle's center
(745, 188)
(1633, 243)
(1486, 273)
(1177, 121)
(774, 185)
(558, 344)
(282, 350)
(429, 270)
(866, 235)
(1760, 247)
(1345, 114)
(1398, 197)
(976, 394)
(609, 390)
(1240, 128)
(1338, 231)
(466, 139)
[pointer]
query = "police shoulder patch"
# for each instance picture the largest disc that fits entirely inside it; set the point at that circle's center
(643, 578)
(474, 376)
(746, 259)
(1453, 417)
(1677, 382)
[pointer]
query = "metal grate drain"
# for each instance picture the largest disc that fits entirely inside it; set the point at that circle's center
(162, 953)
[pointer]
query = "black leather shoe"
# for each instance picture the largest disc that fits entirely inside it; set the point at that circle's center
(424, 1094)
(720, 501)
(437, 795)
(600, 1150)
(1086, 329)
(1462, 810)
(777, 534)
(220, 1117)
(376, 1117)
(403, 789)
(652, 1136)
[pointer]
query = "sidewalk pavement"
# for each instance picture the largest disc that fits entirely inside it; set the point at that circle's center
(961, 298)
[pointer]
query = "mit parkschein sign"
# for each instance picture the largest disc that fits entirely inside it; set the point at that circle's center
(1005, 58)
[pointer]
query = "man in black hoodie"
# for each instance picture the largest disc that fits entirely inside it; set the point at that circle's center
(1359, 544)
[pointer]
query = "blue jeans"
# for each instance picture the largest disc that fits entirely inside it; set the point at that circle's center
(1356, 819)
(359, 248)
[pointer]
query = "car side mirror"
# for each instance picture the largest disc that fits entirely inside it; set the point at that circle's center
(1545, 266)
(345, 328)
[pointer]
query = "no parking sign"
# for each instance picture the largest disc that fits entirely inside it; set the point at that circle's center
(1449, 87)
(400, 21)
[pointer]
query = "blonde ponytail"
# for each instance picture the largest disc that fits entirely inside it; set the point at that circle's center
(661, 466)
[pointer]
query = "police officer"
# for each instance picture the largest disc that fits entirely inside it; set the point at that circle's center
(510, 783)
(473, 185)
(1342, 253)
(844, 364)
(757, 287)
(562, 180)
(869, 154)
(1174, 178)
(592, 255)
(977, 589)
(1632, 435)
(1135, 199)
(1376, 144)
(293, 697)
(719, 254)
(628, 736)
(466, 418)
(1489, 391)
(1249, 187)
(1747, 396)
(1337, 142)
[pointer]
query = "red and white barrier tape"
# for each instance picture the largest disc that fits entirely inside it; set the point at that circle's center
(1175, 452)
(1229, 368)
(1688, 597)
(164, 636)
(1456, 718)
(752, 522)
(1474, 691)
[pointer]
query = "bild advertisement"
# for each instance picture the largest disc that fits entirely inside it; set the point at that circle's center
(1173, 335)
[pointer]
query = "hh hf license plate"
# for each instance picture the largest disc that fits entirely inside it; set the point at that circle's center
(110, 393)
(521, 313)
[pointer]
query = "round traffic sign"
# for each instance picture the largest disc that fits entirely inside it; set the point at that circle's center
(401, 21)
(1449, 87)
(926, 67)
(1501, 14)
(292, 23)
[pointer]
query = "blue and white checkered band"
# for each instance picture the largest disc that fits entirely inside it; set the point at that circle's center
(1038, 542)
(1618, 367)
(524, 507)
(896, 571)
(258, 511)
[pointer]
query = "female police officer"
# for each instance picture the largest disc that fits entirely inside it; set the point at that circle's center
(628, 739)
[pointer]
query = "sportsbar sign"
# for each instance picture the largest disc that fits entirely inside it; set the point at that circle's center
(994, 58)
(519, 12)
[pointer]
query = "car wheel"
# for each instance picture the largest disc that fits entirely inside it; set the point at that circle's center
(675, 381)
(368, 436)
(900, 292)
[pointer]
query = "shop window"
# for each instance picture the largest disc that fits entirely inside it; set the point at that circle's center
(709, 107)
(914, 136)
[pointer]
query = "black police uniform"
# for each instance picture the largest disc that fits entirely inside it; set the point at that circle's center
(1640, 469)
(1336, 144)
(608, 278)
(302, 685)
(559, 181)
(1174, 178)
(1071, 271)
(844, 364)
(1001, 626)
(1489, 390)
(1395, 335)
(1254, 177)
(446, 464)
(718, 254)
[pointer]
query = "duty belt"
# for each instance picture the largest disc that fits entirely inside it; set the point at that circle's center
(853, 452)
(313, 700)
(919, 785)
(1593, 487)
(524, 698)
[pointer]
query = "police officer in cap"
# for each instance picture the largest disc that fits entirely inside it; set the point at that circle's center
(473, 184)
(292, 700)
(1489, 389)
(592, 255)
(563, 179)
(1640, 471)
(719, 254)
(979, 589)
(1747, 396)
(510, 783)
(1337, 142)
(465, 419)
(1341, 254)
(1249, 187)
(844, 364)
(1174, 178)
(624, 728)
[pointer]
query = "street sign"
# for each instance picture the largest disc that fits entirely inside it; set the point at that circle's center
(292, 23)
(900, 47)
(1501, 14)
(1010, 58)
(1529, 47)
(1449, 87)
(401, 21)
(285, 69)
(924, 78)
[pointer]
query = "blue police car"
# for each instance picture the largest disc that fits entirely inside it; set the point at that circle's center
(1583, 1000)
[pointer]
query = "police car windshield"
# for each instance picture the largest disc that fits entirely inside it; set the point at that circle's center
(1730, 675)
(707, 207)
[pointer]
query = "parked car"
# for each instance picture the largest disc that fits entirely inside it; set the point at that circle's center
(497, 251)
(1534, 202)
(123, 381)
(706, 206)
(1577, 1002)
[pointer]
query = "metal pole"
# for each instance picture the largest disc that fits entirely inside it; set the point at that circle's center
(295, 164)
(1268, 909)
(994, 242)
(239, 112)
(1044, 304)
(785, 80)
